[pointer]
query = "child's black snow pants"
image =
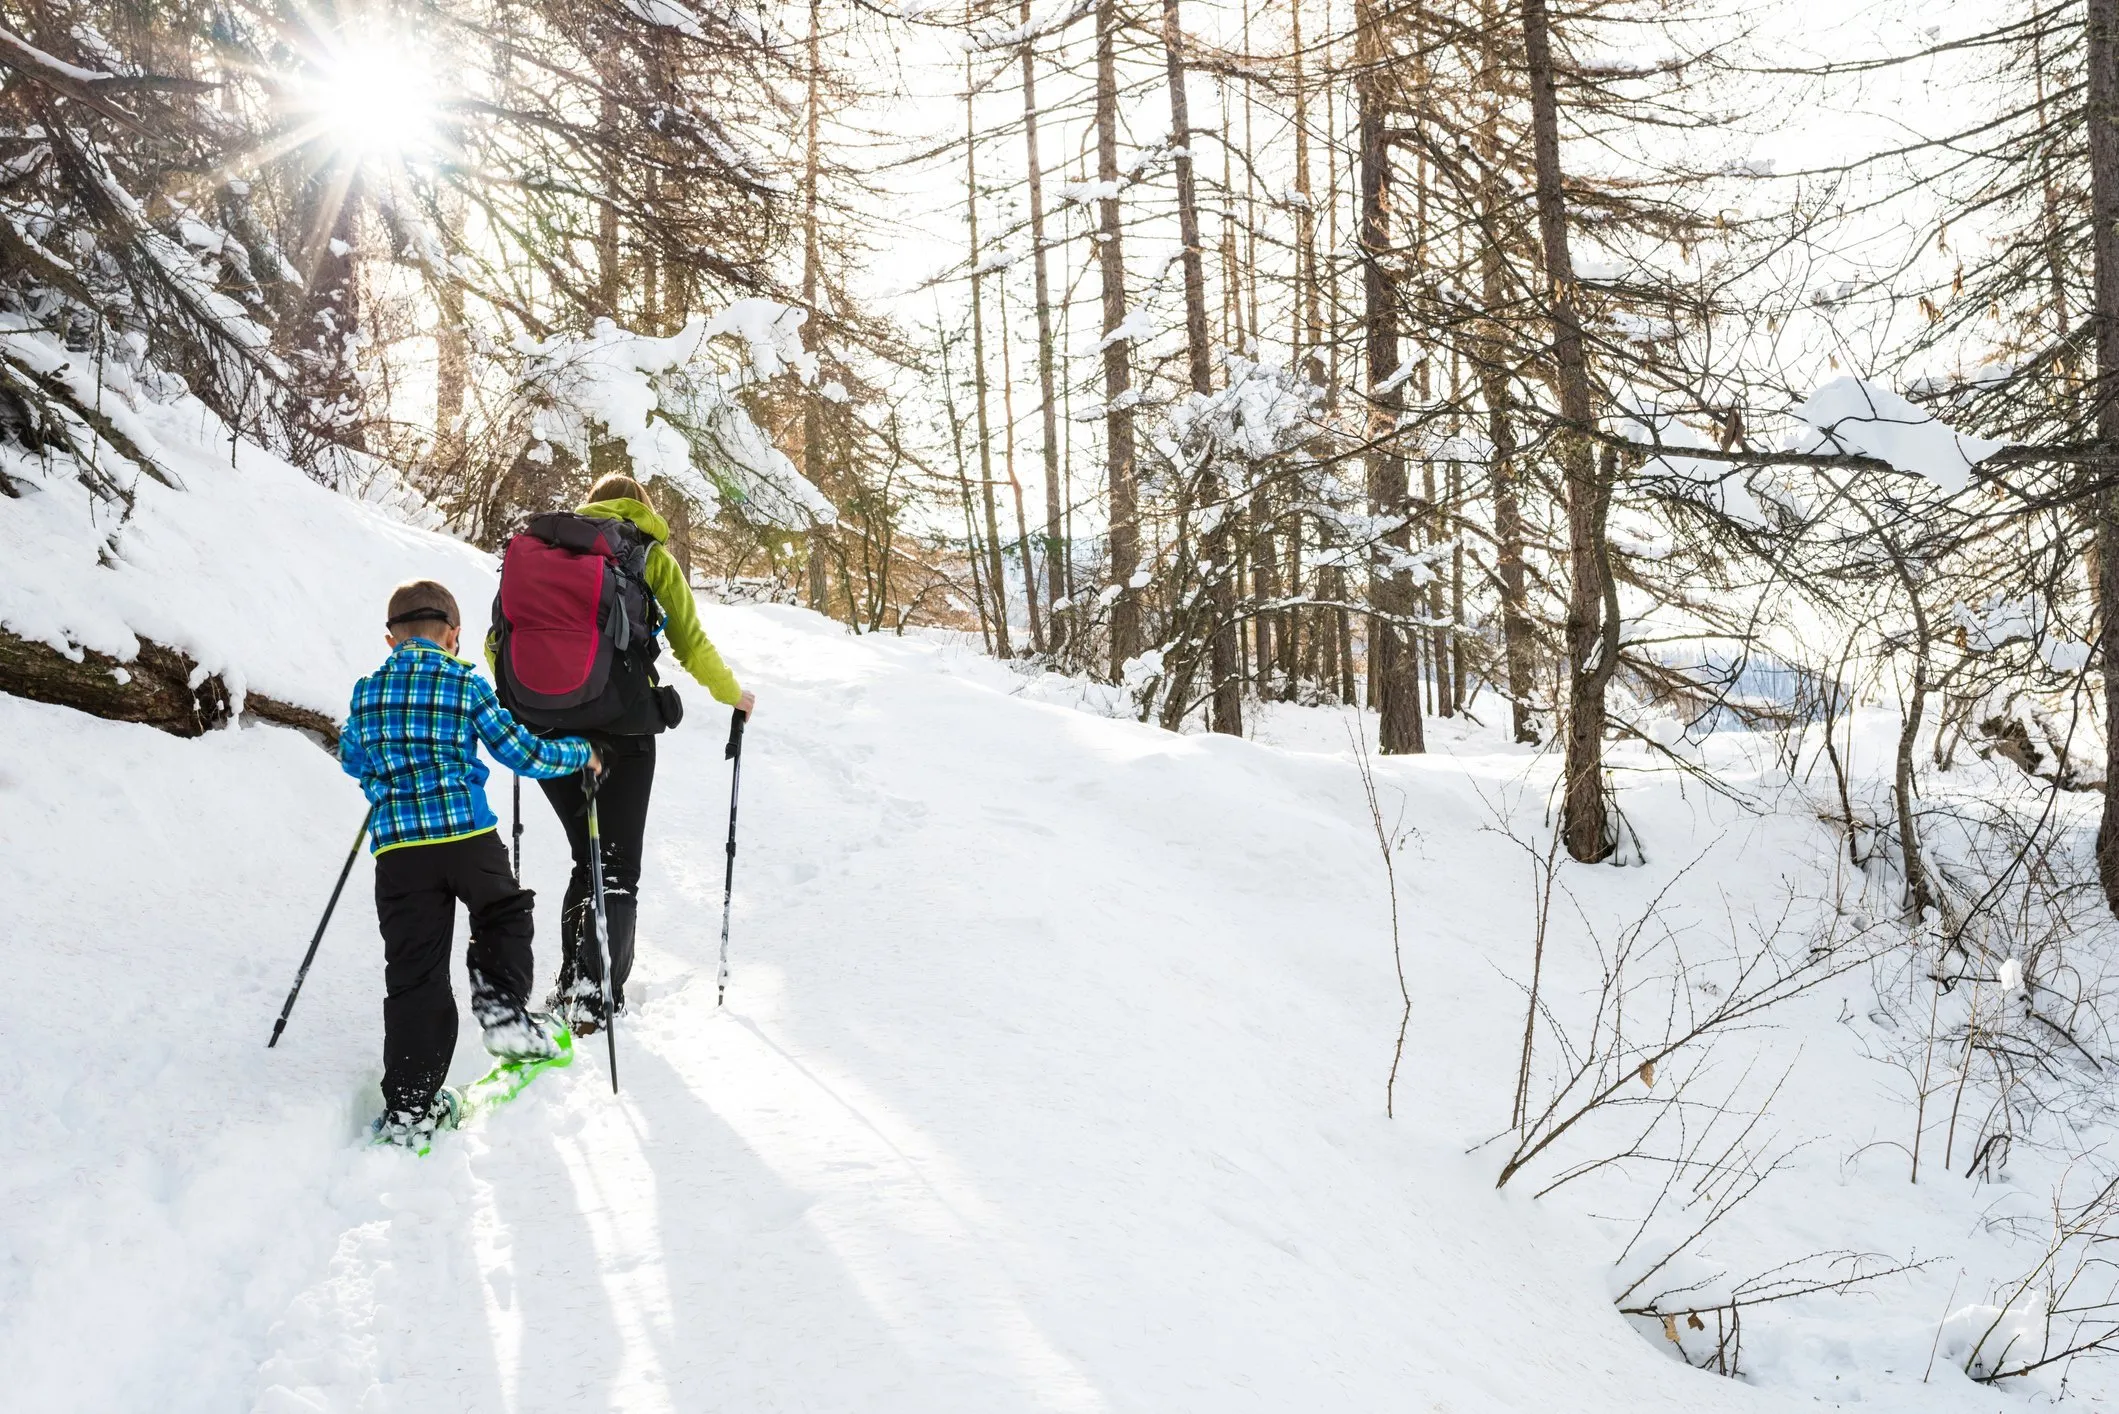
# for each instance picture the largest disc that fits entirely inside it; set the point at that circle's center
(621, 818)
(416, 891)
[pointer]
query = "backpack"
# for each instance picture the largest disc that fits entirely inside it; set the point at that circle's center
(574, 627)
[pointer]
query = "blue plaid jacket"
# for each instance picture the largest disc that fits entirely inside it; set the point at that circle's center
(411, 739)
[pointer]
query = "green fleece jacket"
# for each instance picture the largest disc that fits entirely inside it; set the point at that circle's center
(665, 577)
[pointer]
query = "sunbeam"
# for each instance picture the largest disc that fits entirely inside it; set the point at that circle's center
(372, 100)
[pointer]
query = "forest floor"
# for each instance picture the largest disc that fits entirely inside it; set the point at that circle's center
(1052, 1076)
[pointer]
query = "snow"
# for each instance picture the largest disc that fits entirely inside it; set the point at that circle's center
(1396, 380)
(1137, 326)
(1051, 19)
(1854, 415)
(2065, 656)
(1051, 1076)
(681, 418)
(1716, 483)
(1082, 193)
(669, 15)
(201, 568)
(35, 59)
(1050, 1079)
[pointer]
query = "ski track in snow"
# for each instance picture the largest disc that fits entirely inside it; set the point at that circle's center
(1050, 1079)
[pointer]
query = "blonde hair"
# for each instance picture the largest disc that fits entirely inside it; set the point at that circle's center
(617, 486)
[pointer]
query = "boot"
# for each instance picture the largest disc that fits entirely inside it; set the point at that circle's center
(406, 1131)
(526, 1036)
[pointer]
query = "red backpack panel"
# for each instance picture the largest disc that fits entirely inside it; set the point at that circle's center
(573, 623)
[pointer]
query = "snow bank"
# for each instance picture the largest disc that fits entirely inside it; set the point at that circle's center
(262, 576)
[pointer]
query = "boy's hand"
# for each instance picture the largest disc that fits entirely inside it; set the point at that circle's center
(595, 762)
(747, 703)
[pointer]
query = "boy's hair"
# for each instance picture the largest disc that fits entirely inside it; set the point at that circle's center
(617, 486)
(423, 608)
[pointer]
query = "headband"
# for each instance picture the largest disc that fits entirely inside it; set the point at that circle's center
(410, 616)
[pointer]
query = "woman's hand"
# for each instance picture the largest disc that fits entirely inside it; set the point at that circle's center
(747, 703)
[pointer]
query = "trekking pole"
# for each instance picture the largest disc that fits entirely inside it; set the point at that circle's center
(321, 924)
(603, 936)
(516, 860)
(728, 880)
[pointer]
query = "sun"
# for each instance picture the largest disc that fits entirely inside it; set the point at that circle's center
(374, 100)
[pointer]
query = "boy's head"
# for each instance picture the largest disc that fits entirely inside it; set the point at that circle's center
(617, 486)
(421, 608)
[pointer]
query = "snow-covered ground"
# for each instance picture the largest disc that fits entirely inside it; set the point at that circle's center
(1051, 1078)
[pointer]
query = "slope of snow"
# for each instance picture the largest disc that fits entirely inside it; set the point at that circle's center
(261, 575)
(1051, 1078)
(1052, 1075)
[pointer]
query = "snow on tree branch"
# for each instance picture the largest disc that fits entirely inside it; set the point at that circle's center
(678, 412)
(1854, 415)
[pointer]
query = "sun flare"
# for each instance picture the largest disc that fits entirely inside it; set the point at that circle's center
(375, 100)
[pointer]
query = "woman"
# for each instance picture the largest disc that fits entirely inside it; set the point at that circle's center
(628, 773)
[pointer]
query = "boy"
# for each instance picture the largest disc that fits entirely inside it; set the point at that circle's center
(410, 739)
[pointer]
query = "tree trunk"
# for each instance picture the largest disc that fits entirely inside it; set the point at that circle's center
(1518, 658)
(816, 544)
(1265, 587)
(1394, 653)
(1048, 403)
(1456, 592)
(161, 687)
(1920, 897)
(994, 575)
(1307, 317)
(610, 279)
(1118, 354)
(1225, 713)
(972, 550)
(1291, 619)
(452, 379)
(1015, 483)
(1308, 312)
(1343, 633)
(2103, 117)
(1198, 353)
(1591, 652)
(1437, 607)
(329, 405)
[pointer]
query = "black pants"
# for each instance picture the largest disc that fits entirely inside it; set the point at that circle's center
(416, 891)
(621, 819)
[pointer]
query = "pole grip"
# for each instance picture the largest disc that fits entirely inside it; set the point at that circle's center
(736, 719)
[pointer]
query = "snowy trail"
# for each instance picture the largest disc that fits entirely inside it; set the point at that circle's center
(1051, 1079)
(944, 1150)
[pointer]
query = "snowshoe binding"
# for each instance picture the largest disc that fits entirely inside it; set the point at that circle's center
(402, 1131)
(526, 1036)
(509, 1077)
